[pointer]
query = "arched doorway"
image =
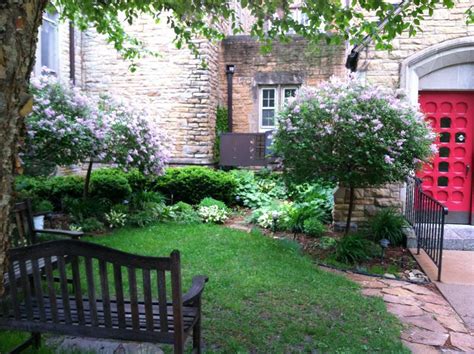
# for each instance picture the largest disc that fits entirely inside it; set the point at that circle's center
(441, 80)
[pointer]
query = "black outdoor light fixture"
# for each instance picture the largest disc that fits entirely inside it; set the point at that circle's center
(384, 244)
(229, 70)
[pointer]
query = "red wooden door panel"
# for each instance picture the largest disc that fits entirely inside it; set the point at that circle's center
(449, 178)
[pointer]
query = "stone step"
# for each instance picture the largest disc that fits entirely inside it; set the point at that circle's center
(459, 237)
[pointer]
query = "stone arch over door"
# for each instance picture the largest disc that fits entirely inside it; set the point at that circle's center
(440, 78)
(429, 68)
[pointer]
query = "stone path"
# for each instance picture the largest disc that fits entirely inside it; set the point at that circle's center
(431, 324)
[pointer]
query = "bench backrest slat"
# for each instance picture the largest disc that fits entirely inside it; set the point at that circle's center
(119, 296)
(132, 283)
(162, 301)
(13, 293)
(76, 281)
(48, 269)
(147, 299)
(26, 290)
(104, 286)
(64, 289)
(91, 293)
(38, 290)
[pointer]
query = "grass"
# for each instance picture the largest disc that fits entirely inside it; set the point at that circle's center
(263, 295)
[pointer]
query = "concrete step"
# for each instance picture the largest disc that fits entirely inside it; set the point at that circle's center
(458, 237)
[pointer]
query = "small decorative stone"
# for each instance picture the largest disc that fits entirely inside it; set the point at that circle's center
(390, 276)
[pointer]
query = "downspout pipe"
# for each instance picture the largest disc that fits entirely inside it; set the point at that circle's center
(353, 57)
(230, 69)
(72, 54)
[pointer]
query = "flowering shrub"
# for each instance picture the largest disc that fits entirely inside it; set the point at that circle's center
(68, 126)
(212, 214)
(351, 133)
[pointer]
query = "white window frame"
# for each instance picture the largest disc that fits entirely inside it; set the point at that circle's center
(53, 20)
(262, 127)
(280, 102)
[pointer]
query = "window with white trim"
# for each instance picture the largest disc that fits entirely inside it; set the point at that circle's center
(47, 52)
(272, 100)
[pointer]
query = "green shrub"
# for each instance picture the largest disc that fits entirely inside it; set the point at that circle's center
(81, 209)
(65, 186)
(192, 184)
(317, 199)
(389, 224)
(183, 213)
(91, 224)
(314, 227)
(255, 190)
(137, 180)
(42, 206)
(326, 242)
(207, 202)
(110, 184)
(141, 198)
(354, 248)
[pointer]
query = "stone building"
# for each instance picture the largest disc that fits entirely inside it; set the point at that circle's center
(436, 68)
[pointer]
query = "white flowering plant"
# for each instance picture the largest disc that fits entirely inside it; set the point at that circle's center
(213, 214)
(115, 218)
(355, 134)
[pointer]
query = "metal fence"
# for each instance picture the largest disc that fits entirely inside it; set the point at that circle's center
(427, 216)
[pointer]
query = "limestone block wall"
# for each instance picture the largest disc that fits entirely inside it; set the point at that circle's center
(174, 87)
(294, 63)
(368, 201)
(383, 67)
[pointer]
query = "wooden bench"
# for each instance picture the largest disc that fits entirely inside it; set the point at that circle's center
(26, 229)
(115, 295)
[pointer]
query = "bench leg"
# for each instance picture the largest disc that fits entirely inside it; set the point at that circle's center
(197, 337)
(34, 340)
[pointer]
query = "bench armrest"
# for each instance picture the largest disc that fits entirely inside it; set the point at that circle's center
(75, 235)
(197, 287)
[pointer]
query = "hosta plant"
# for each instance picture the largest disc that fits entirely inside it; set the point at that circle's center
(213, 214)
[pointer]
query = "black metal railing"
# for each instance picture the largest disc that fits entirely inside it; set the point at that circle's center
(427, 216)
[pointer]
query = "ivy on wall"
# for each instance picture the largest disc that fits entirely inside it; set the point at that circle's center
(222, 126)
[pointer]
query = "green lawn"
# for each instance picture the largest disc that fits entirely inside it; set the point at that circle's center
(263, 296)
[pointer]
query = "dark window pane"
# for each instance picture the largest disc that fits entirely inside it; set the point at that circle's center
(268, 117)
(443, 167)
(461, 138)
(444, 137)
(443, 152)
(442, 181)
(290, 93)
(445, 122)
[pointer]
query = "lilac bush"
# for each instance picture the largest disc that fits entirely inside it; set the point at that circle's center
(356, 134)
(67, 126)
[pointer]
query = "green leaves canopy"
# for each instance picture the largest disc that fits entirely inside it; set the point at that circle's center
(332, 20)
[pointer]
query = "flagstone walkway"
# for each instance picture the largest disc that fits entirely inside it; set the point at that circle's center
(431, 324)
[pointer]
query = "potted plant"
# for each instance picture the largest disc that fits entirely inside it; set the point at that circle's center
(40, 209)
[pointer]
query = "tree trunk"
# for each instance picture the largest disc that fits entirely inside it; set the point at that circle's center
(88, 178)
(349, 212)
(19, 22)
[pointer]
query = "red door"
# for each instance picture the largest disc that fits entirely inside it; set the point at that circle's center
(449, 178)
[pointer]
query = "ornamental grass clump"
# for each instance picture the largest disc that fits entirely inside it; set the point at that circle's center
(352, 133)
